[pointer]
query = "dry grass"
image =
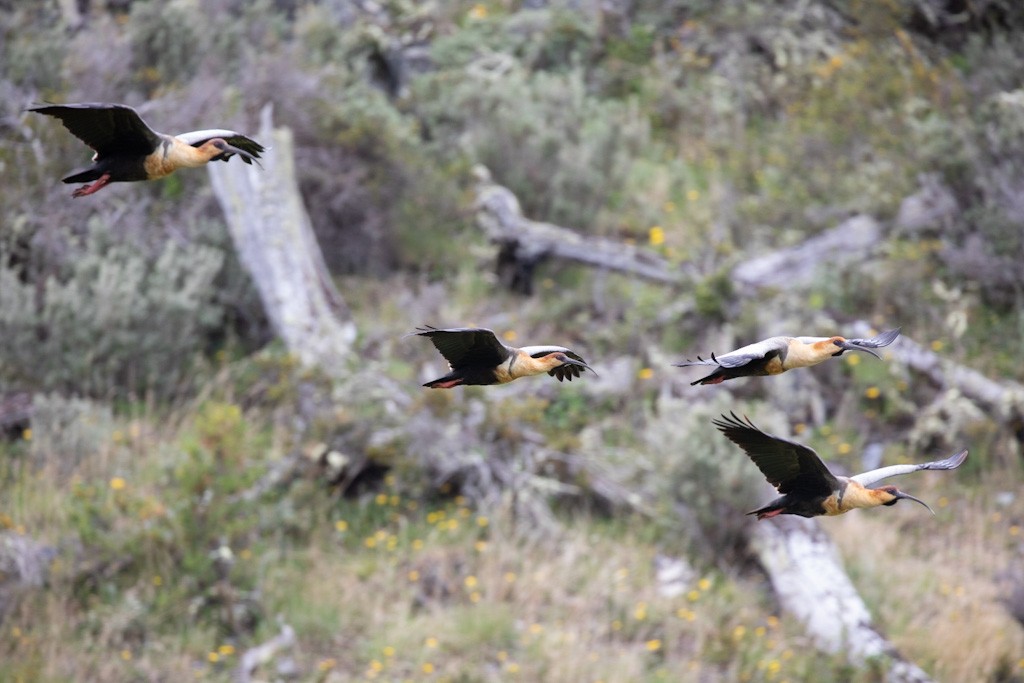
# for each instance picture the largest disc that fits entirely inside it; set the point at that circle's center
(935, 584)
(384, 587)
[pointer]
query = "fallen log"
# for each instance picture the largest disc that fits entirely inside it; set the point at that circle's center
(1003, 399)
(807, 576)
(24, 565)
(524, 243)
(263, 654)
(849, 242)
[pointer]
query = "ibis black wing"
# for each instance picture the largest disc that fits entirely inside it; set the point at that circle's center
(788, 466)
(110, 129)
(467, 346)
(242, 142)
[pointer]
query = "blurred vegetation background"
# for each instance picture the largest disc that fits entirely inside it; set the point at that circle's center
(179, 492)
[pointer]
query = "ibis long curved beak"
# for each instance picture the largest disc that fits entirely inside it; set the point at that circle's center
(242, 153)
(579, 363)
(848, 346)
(900, 494)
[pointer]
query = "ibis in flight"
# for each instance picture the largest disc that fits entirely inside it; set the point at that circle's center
(128, 150)
(476, 356)
(777, 354)
(807, 486)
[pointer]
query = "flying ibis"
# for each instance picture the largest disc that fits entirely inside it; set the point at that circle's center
(476, 356)
(777, 354)
(807, 486)
(128, 150)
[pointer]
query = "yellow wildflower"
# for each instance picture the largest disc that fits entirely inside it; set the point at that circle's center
(656, 235)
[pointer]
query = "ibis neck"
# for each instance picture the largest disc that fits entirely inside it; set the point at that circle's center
(173, 154)
(522, 364)
(853, 495)
(802, 354)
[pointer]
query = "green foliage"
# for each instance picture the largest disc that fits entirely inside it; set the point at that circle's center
(101, 326)
(163, 42)
(564, 152)
(66, 431)
(699, 475)
(32, 52)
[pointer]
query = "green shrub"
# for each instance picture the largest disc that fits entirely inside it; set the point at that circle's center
(564, 152)
(112, 321)
(702, 482)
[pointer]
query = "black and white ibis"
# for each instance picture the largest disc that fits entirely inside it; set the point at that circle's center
(808, 487)
(476, 356)
(128, 150)
(777, 354)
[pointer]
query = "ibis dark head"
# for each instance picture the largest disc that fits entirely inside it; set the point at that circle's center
(223, 148)
(898, 495)
(847, 346)
(566, 360)
(866, 345)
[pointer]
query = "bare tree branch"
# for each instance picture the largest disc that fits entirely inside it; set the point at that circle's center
(523, 243)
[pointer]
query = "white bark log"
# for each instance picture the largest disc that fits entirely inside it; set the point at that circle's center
(275, 242)
(808, 577)
(261, 655)
(1003, 399)
(849, 242)
(500, 217)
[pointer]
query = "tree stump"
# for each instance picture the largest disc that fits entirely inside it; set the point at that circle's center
(274, 239)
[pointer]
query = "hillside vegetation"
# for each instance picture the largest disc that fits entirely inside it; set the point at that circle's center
(184, 492)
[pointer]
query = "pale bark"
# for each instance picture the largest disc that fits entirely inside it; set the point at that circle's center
(1004, 399)
(527, 242)
(809, 581)
(849, 242)
(274, 239)
(263, 654)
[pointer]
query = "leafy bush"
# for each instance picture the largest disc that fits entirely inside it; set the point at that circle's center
(112, 320)
(700, 478)
(564, 152)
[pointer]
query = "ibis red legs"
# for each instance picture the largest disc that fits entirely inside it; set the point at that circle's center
(807, 486)
(476, 356)
(128, 150)
(777, 354)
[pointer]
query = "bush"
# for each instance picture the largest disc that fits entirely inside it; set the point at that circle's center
(112, 321)
(564, 152)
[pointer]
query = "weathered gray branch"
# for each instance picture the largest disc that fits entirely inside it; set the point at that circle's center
(1002, 398)
(24, 565)
(255, 657)
(849, 242)
(275, 242)
(527, 242)
(808, 577)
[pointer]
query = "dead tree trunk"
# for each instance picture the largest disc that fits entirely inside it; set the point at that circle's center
(811, 585)
(275, 243)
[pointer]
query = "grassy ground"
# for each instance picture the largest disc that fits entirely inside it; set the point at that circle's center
(166, 571)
